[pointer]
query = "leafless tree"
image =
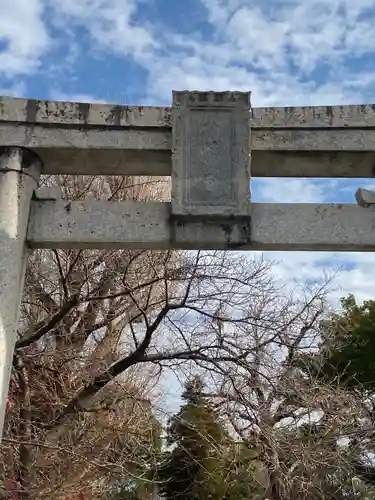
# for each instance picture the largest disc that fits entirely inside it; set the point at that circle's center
(99, 328)
(298, 426)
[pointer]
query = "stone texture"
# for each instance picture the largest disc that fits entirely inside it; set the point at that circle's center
(103, 114)
(80, 113)
(89, 151)
(210, 153)
(365, 198)
(314, 140)
(19, 174)
(106, 161)
(311, 227)
(105, 139)
(356, 115)
(345, 164)
(44, 137)
(48, 193)
(285, 227)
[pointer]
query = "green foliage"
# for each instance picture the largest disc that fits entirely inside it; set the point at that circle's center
(192, 468)
(241, 471)
(346, 358)
(347, 352)
(203, 462)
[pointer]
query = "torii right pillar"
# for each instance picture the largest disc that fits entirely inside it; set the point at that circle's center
(211, 167)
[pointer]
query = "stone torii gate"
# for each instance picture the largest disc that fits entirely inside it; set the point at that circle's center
(205, 142)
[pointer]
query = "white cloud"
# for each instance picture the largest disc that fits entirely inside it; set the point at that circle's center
(23, 35)
(288, 191)
(110, 23)
(303, 190)
(57, 95)
(353, 272)
(301, 31)
(272, 49)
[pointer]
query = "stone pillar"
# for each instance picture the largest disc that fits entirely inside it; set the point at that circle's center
(211, 165)
(19, 173)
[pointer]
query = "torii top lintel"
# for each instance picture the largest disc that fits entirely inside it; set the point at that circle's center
(93, 138)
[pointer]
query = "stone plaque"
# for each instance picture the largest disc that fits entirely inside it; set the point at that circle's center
(211, 153)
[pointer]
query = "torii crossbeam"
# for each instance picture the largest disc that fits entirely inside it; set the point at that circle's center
(208, 142)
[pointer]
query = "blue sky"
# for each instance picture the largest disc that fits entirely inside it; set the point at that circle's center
(287, 52)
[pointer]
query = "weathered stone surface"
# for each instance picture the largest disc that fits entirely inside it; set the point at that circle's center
(48, 193)
(82, 113)
(302, 163)
(103, 114)
(44, 137)
(285, 226)
(210, 153)
(314, 140)
(105, 139)
(355, 115)
(365, 198)
(19, 174)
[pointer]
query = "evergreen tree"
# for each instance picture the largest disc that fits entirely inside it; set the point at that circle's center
(241, 470)
(192, 468)
(346, 359)
(347, 351)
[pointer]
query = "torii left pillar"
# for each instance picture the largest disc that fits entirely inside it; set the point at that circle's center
(20, 169)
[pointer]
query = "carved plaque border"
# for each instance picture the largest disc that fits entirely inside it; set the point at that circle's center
(211, 153)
